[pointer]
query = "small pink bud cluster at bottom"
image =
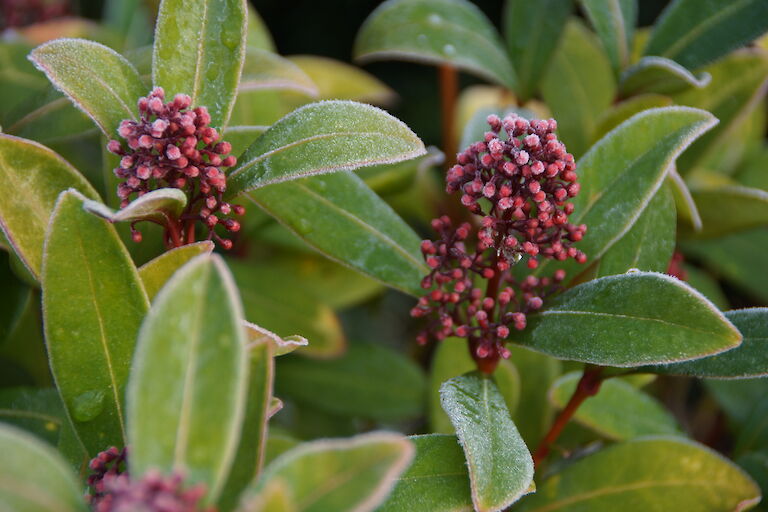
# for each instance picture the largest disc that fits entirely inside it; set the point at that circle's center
(153, 492)
(173, 146)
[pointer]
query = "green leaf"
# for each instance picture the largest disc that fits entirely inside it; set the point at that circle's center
(192, 347)
(338, 80)
(99, 81)
(748, 360)
(19, 80)
(531, 49)
(341, 217)
(437, 480)
(258, 35)
(33, 477)
(38, 411)
(321, 138)
(746, 208)
(500, 465)
(738, 258)
(443, 32)
(649, 243)
(345, 474)
(24, 214)
(93, 305)
(451, 359)
(623, 171)
(630, 320)
(156, 272)
(619, 411)
(614, 21)
(131, 20)
(686, 206)
(359, 383)
(659, 75)
(249, 456)
(279, 346)
(267, 70)
(646, 474)
(693, 33)
(159, 205)
(287, 310)
(199, 50)
(623, 110)
(242, 136)
(738, 82)
(578, 86)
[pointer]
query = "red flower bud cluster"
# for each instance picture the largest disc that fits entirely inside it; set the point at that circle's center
(106, 465)
(519, 186)
(526, 180)
(153, 492)
(173, 146)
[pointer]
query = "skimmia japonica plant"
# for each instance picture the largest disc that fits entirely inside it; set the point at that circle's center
(210, 252)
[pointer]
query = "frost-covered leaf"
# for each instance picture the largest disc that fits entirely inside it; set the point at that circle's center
(192, 347)
(37, 176)
(694, 33)
(339, 474)
(357, 384)
(341, 217)
(623, 171)
(199, 50)
(748, 360)
(738, 82)
(614, 21)
(659, 75)
(34, 478)
(155, 273)
(158, 205)
(279, 346)
(500, 465)
(578, 86)
(436, 480)
(321, 138)
(531, 49)
(649, 244)
(452, 32)
(655, 473)
(267, 70)
(98, 80)
(630, 320)
(337, 80)
(93, 305)
(619, 411)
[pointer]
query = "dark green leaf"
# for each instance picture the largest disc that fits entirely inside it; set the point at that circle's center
(341, 217)
(93, 304)
(36, 410)
(614, 21)
(500, 465)
(321, 138)
(647, 474)
(24, 214)
(33, 477)
(659, 75)
(450, 32)
(694, 33)
(359, 383)
(578, 86)
(99, 81)
(619, 411)
(437, 480)
(531, 49)
(345, 474)
(750, 359)
(649, 243)
(746, 208)
(192, 347)
(630, 320)
(199, 50)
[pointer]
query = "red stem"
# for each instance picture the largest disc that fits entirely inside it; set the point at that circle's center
(449, 91)
(588, 386)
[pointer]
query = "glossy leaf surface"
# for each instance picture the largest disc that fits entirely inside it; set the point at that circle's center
(192, 346)
(93, 304)
(500, 465)
(451, 32)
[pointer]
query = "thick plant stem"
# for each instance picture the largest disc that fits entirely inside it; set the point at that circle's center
(449, 91)
(588, 386)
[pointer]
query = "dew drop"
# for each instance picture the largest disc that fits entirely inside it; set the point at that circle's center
(449, 50)
(230, 39)
(422, 38)
(435, 19)
(88, 405)
(304, 227)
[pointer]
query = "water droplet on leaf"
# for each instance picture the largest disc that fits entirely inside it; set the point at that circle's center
(304, 227)
(449, 50)
(435, 19)
(88, 405)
